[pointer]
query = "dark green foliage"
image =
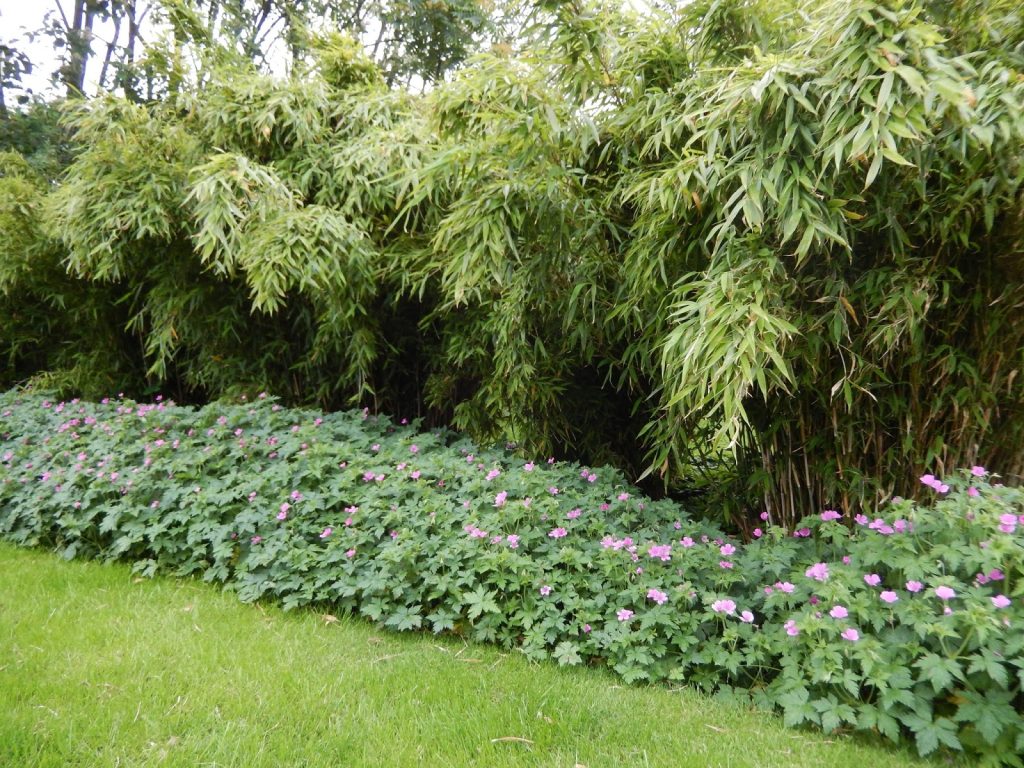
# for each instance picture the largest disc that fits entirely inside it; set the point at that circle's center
(906, 626)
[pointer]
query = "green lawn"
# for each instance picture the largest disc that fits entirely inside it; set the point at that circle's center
(98, 668)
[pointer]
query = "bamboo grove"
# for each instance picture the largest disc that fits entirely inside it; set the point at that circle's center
(766, 250)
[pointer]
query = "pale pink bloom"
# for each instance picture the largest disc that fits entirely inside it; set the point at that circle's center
(661, 552)
(414, 448)
(784, 586)
(553, 490)
(375, 447)
(978, 471)
(747, 617)
(687, 542)
(326, 532)
(839, 612)
(724, 564)
(758, 533)
(394, 534)
(830, 514)
(415, 474)
(851, 634)
(493, 474)
(545, 590)
(513, 541)
(872, 579)
(818, 572)
(256, 539)
(914, 586)
(529, 466)
(1001, 601)
(623, 497)
(727, 549)
(573, 514)
(500, 498)
(973, 492)
(944, 593)
(586, 627)
(791, 628)
(624, 614)
(591, 478)
(764, 515)
(557, 533)
(724, 606)
(888, 596)
(657, 596)
(350, 553)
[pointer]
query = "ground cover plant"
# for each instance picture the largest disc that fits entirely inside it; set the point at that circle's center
(905, 625)
(103, 668)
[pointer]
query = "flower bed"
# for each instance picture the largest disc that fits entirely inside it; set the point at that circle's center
(906, 624)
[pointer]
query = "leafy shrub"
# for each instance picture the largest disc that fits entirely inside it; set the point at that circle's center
(906, 625)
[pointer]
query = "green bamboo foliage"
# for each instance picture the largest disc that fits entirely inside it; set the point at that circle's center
(769, 249)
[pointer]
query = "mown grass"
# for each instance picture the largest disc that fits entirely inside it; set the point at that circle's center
(98, 668)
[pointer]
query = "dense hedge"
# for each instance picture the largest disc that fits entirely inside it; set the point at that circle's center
(907, 625)
(725, 242)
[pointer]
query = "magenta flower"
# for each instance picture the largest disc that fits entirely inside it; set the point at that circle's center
(493, 474)
(687, 542)
(657, 596)
(624, 614)
(888, 596)
(623, 497)
(727, 549)
(978, 471)
(727, 607)
(350, 553)
(758, 533)
(839, 612)
(973, 492)
(818, 572)
(872, 579)
(860, 519)
(1001, 601)
(830, 514)
(557, 533)
(545, 590)
(851, 634)
(914, 586)
(553, 490)
(326, 532)
(586, 627)
(944, 593)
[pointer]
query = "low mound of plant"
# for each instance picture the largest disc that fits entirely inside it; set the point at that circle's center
(906, 625)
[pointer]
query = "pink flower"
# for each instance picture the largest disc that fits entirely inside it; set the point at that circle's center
(591, 478)
(657, 596)
(573, 514)
(839, 612)
(296, 496)
(529, 466)
(872, 579)
(758, 533)
(586, 627)
(727, 607)
(914, 586)
(830, 514)
(727, 549)
(818, 572)
(764, 515)
(1001, 601)
(513, 541)
(747, 617)
(493, 474)
(624, 614)
(973, 492)
(791, 629)
(724, 564)
(553, 490)
(326, 532)
(415, 474)
(394, 534)
(978, 471)
(784, 586)
(661, 552)
(687, 542)
(256, 539)
(557, 533)
(414, 448)
(861, 519)
(623, 497)
(851, 634)
(888, 596)
(545, 590)
(350, 553)
(499, 500)
(944, 593)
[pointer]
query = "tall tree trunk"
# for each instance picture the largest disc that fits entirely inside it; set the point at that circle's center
(78, 33)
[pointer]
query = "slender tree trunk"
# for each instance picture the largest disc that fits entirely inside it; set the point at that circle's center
(128, 79)
(111, 47)
(73, 71)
